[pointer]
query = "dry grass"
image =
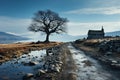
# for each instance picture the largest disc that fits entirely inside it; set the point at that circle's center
(17, 49)
(91, 46)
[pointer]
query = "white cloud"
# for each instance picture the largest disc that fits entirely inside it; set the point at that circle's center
(100, 10)
(77, 28)
(14, 25)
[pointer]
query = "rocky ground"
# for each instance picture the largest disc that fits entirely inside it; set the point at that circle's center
(59, 65)
(106, 51)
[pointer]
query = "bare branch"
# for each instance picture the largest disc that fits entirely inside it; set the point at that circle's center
(48, 22)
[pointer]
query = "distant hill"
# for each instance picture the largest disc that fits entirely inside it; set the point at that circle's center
(9, 38)
(66, 37)
(115, 33)
(57, 37)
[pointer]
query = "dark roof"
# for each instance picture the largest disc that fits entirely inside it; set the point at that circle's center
(95, 32)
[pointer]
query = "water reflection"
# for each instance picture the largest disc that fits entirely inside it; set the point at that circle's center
(16, 68)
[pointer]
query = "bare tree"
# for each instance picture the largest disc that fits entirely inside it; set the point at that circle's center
(48, 22)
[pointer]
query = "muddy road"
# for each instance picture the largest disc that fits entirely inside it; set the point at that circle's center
(91, 69)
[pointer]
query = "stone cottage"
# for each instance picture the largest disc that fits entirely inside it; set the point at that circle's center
(96, 34)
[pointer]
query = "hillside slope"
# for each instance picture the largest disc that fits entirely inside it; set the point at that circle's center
(115, 33)
(8, 38)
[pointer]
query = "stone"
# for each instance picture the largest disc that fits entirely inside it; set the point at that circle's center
(87, 63)
(115, 62)
(32, 63)
(28, 76)
(56, 69)
(40, 72)
(23, 56)
(60, 62)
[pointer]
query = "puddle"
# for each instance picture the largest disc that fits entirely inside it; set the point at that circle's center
(15, 68)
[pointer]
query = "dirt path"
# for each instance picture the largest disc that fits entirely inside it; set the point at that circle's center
(89, 68)
(69, 67)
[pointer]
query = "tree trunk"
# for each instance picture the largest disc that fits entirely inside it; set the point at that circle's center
(47, 38)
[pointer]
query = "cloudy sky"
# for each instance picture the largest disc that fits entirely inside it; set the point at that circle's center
(15, 15)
